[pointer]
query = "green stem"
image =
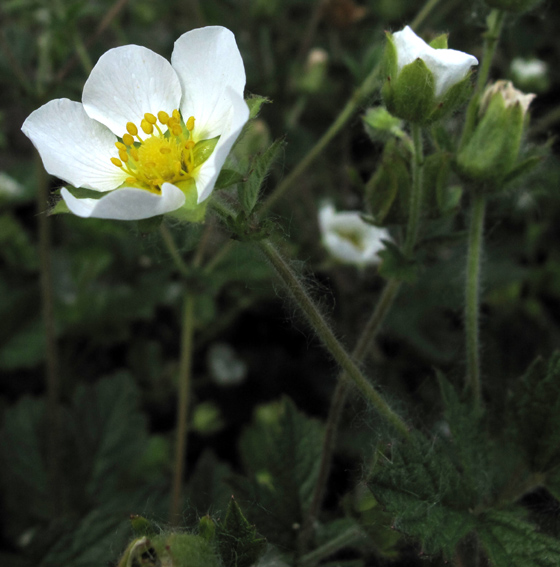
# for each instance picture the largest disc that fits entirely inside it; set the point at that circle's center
(415, 207)
(173, 251)
(349, 537)
(472, 295)
(491, 38)
(51, 354)
(324, 332)
(183, 400)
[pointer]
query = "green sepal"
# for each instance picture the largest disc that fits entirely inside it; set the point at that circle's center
(245, 229)
(395, 265)
(141, 526)
(389, 64)
(237, 539)
(203, 150)
(380, 124)
(191, 211)
(227, 178)
(455, 97)
(413, 93)
(248, 192)
(516, 6)
(440, 42)
(255, 103)
(207, 528)
(491, 152)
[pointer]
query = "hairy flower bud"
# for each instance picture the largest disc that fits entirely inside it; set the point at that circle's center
(424, 82)
(490, 154)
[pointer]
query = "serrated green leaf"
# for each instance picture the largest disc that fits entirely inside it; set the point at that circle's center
(534, 414)
(255, 103)
(512, 542)
(237, 540)
(249, 191)
(227, 178)
(281, 453)
(421, 487)
(395, 265)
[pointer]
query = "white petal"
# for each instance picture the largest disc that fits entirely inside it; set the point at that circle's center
(127, 203)
(231, 128)
(74, 147)
(126, 83)
(209, 64)
(449, 66)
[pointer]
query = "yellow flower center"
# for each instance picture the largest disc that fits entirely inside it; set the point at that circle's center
(155, 157)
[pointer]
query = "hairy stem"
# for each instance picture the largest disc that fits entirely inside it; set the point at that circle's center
(415, 207)
(183, 401)
(52, 375)
(472, 296)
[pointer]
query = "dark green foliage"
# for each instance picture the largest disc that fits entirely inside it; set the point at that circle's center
(512, 542)
(422, 488)
(227, 178)
(534, 414)
(396, 265)
(260, 166)
(280, 452)
(236, 538)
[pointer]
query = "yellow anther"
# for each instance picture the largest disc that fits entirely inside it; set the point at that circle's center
(128, 139)
(165, 150)
(190, 124)
(116, 161)
(189, 145)
(120, 146)
(130, 180)
(123, 155)
(172, 121)
(146, 126)
(131, 129)
(134, 154)
(177, 115)
(163, 117)
(176, 130)
(150, 118)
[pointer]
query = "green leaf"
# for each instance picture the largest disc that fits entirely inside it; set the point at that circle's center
(511, 542)
(421, 487)
(255, 103)
(249, 191)
(203, 150)
(395, 265)
(237, 540)
(534, 414)
(227, 178)
(281, 453)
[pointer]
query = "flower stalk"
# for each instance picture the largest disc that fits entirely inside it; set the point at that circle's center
(472, 296)
(416, 194)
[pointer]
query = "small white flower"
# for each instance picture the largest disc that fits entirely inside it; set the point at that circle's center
(529, 69)
(146, 128)
(448, 66)
(350, 239)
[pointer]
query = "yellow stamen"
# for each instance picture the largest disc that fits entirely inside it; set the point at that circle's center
(134, 154)
(177, 115)
(131, 129)
(131, 180)
(163, 116)
(176, 130)
(165, 150)
(123, 155)
(116, 161)
(128, 139)
(146, 126)
(150, 118)
(190, 124)
(189, 145)
(120, 146)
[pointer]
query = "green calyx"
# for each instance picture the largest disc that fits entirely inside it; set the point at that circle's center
(410, 93)
(491, 152)
(515, 6)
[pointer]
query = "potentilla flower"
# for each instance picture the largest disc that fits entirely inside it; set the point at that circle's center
(348, 238)
(148, 132)
(423, 82)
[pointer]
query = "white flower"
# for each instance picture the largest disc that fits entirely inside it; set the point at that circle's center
(529, 69)
(447, 65)
(146, 129)
(348, 238)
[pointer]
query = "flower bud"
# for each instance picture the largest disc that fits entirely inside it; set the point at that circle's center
(424, 82)
(516, 6)
(490, 154)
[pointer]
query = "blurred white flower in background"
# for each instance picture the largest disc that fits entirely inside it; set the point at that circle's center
(348, 238)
